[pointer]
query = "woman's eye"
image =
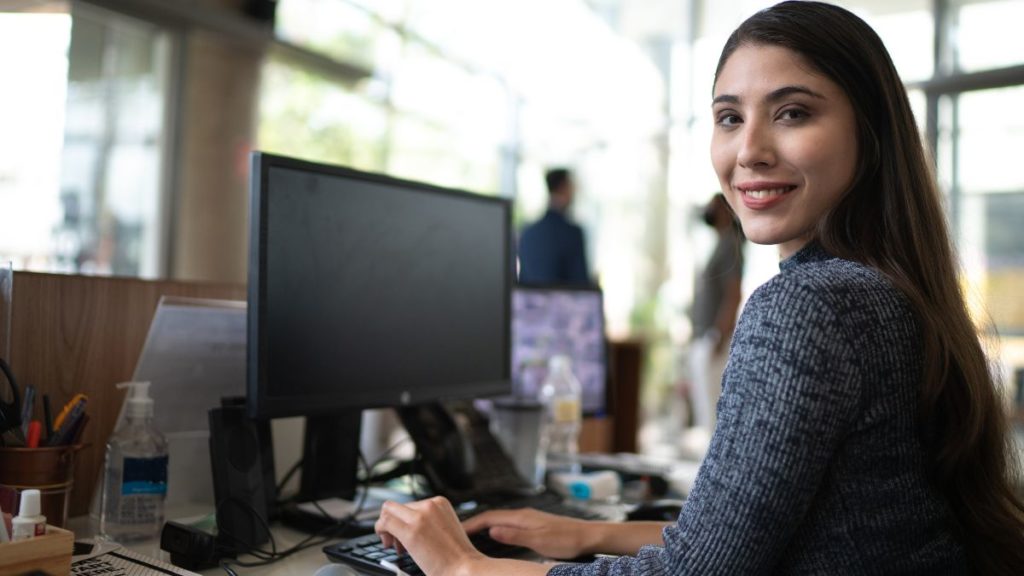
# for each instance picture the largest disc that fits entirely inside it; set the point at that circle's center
(727, 119)
(793, 114)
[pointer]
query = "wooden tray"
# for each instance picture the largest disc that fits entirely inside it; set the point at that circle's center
(49, 554)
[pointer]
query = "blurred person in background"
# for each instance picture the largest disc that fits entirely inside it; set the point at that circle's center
(552, 250)
(716, 302)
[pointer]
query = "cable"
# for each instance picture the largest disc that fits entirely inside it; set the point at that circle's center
(324, 535)
(288, 476)
(240, 543)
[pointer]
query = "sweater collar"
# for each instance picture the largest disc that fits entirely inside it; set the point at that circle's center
(812, 252)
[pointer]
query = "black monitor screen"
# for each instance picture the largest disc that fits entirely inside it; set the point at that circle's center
(550, 321)
(371, 291)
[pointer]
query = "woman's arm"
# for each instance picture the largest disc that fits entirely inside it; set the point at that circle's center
(625, 538)
(561, 537)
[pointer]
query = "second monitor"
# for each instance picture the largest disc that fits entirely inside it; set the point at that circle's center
(547, 321)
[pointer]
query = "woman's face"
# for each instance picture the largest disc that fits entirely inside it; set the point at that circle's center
(784, 144)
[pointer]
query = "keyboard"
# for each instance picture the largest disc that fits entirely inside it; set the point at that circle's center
(365, 552)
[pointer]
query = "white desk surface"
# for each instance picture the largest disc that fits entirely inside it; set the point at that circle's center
(302, 563)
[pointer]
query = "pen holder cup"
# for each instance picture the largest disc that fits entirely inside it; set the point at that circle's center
(50, 470)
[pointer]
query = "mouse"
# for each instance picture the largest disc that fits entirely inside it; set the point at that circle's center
(666, 509)
(335, 569)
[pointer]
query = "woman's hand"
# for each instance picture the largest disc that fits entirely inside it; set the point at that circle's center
(549, 535)
(430, 531)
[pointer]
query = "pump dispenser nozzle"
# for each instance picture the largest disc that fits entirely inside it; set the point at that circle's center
(139, 405)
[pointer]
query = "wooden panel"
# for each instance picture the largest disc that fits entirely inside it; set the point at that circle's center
(596, 435)
(72, 334)
(625, 362)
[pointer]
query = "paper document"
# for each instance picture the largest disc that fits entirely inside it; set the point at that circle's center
(111, 559)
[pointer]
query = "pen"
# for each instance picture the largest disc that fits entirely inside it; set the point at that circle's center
(47, 417)
(393, 567)
(27, 403)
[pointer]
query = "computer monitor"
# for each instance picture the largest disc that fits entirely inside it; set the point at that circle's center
(548, 321)
(367, 291)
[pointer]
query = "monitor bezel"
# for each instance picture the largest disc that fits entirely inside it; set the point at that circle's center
(260, 403)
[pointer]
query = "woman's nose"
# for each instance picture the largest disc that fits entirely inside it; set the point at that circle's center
(756, 146)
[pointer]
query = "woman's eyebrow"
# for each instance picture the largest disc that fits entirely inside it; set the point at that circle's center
(786, 91)
(725, 99)
(773, 96)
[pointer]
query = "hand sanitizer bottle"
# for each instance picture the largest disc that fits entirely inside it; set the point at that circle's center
(135, 474)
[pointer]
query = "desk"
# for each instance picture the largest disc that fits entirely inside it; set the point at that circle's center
(302, 563)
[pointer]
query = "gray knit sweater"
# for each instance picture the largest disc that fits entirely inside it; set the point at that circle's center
(814, 467)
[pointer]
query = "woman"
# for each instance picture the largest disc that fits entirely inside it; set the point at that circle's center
(859, 430)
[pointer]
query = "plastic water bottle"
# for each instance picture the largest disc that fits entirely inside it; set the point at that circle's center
(135, 474)
(563, 416)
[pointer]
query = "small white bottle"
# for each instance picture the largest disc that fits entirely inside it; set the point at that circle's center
(563, 417)
(29, 522)
(135, 473)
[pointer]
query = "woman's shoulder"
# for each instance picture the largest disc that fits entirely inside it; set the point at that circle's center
(824, 277)
(857, 297)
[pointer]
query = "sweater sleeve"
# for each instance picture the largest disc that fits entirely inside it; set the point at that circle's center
(791, 390)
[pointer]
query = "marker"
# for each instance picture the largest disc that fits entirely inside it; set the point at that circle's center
(67, 410)
(35, 430)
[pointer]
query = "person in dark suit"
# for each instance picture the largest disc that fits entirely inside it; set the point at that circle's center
(551, 250)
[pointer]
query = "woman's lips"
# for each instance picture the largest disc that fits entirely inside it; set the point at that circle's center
(764, 197)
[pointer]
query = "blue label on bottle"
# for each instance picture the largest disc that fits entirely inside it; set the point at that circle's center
(144, 476)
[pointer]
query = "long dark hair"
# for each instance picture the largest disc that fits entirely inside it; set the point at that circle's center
(891, 219)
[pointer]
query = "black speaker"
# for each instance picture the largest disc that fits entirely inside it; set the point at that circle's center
(243, 479)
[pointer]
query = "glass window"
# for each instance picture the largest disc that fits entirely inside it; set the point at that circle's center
(440, 21)
(431, 152)
(340, 30)
(988, 147)
(112, 163)
(976, 26)
(992, 240)
(907, 28)
(307, 116)
(429, 85)
(919, 104)
(86, 127)
(32, 116)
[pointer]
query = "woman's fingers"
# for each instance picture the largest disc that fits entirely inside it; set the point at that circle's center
(546, 534)
(492, 518)
(429, 530)
(393, 524)
(514, 536)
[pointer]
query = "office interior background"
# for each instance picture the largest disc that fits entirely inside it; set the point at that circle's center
(127, 124)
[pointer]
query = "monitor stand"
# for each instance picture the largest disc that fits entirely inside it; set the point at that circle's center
(330, 464)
